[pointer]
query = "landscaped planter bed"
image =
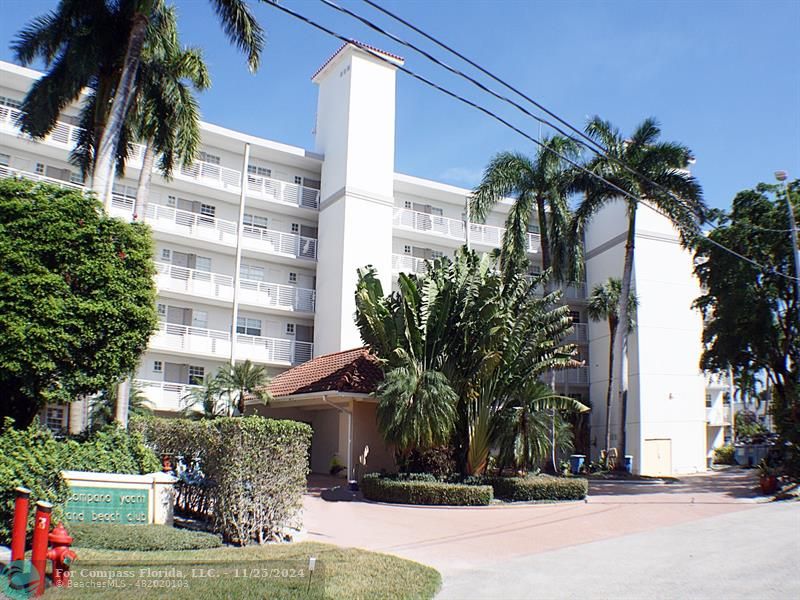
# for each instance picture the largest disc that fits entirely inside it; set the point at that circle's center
(425, 489)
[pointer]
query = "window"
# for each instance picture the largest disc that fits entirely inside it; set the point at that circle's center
(407, 204)
(209, 158)
(261, 171)
(407, 249)
(295, 228)
(298, 180)
(726, 399)
(208, 211)
(436, 254)
(248, 326)
(166, 254)
(708, 400)
(6, 101)
(290, 329)
(40, 168)
(575, 316)
(200, 319)
(203, 263)
(158, 366)
(172, 201)
(5, 159)
(55, 418)
(76, 177)
(196, 375)
(251, 272)
(162, 310)
(255, 221)
(578, 396)
(292, 277)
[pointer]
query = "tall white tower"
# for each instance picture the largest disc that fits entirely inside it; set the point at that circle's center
(355, 133)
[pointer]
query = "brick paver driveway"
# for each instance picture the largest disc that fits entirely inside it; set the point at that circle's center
(452, 539)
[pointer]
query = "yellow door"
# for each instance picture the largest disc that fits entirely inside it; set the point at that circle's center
(657, 457)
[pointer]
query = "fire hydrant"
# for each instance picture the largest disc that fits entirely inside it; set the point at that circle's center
(61, 555)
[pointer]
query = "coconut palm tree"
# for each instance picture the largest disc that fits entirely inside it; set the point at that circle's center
(650, 171)
(603, 305)
(539, 187)
(237, 22)
(242, 381)
(101, 408)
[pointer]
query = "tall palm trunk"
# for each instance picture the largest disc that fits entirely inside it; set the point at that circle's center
(622, 325)
(544, 234)
(612, 332)
(103, 179)
(143, 187)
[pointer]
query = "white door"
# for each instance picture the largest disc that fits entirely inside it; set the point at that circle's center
(657, 457)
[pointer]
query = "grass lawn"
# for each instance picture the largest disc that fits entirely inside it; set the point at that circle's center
(272, 571)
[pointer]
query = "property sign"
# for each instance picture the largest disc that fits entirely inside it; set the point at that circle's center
(107, 505)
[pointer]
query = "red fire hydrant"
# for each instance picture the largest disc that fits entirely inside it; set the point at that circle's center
(61, 555)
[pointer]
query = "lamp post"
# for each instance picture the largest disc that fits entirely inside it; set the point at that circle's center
(783, 177)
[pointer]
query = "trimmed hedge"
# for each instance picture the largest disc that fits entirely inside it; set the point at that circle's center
(417, 491)
(246, 475)
(531, 488)
(724, 455)
(112, 536)
(33, 458)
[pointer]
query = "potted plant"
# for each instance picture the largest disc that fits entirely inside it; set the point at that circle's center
(768, 477)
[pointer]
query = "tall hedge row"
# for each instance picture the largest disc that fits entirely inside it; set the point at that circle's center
(34, 459)
(254, 469)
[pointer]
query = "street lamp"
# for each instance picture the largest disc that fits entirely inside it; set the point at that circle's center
(783, 177)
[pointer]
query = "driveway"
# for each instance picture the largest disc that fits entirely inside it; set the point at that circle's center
(474, 548)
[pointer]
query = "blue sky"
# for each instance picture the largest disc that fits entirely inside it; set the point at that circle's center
(721, 76)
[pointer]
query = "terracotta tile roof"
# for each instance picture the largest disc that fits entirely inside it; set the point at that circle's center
(359, 45)
(356, 371)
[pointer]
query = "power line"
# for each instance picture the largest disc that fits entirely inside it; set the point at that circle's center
(504, 122)
(593, 145)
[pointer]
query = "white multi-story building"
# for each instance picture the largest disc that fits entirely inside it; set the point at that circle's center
(311, 218)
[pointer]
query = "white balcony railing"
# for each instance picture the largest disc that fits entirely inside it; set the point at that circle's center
(718, 415)
(278, 242)
(210, 173)
(282, 191)
(405, 263)
(216, 285)
(165, 395)
(485, 235)
(578, 376)
(210, 342)
(10, 172)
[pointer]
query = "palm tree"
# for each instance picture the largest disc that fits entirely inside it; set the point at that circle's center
(603, 306)
(650, 171)
(539, 186)
(237, 22)
(242, 381)
(207, 401)
(101, 411)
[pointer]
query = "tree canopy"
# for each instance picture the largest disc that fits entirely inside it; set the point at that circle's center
(77, 297)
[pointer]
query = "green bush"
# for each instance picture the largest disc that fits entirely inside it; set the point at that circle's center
(415, 491)
(724, 455)
(110, 536)
(539, 487)
(257, 467)
(34, 459)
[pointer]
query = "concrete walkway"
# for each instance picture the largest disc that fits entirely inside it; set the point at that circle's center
(451, 538)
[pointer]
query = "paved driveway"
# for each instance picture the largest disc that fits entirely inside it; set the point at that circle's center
(460, 538)
(474, 548)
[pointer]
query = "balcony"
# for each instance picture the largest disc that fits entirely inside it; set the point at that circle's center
(172, 337)
(718, 415)
(6, 172)
(165, 395)
(278, 242)
(405, 263)
(282, 192)
(484, 235)
(183, 280)
(579, 376)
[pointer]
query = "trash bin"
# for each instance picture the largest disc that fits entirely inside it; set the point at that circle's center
(628, 463)
(576, 462)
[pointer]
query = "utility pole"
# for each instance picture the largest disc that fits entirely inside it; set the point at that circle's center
(238, 263)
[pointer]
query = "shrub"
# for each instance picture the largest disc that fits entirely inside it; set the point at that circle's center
(34, 459)
(724, 455)
(111, 536)
(438, 461)
(253, 470)
(540, 487)
(414, 491)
